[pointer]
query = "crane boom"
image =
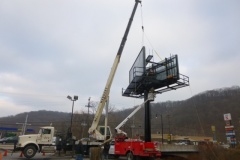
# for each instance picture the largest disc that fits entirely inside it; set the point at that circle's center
(92, 130)
(117, 129)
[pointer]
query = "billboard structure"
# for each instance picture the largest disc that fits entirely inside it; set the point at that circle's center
(160, 76)
(146, 76)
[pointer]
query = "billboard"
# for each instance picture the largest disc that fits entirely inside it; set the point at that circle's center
(138, 67)
(168, 68)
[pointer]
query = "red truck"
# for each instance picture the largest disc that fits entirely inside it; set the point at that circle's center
(136, 149)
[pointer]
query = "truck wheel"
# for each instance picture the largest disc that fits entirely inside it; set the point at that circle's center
(139, 158)
(130, 156)
(151, 158)
(116, 156)
(29, 151)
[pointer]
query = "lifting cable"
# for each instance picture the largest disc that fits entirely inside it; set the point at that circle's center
(195, 107)
(144, 35)
(142, 26)
(199, 121)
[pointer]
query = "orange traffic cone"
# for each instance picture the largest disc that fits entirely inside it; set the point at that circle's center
(5, 153)
(0, 156)
(43, 153)
(21, 155)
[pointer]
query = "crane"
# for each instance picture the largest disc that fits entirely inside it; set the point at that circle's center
(93, 132)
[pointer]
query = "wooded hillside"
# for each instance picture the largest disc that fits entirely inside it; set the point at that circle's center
(193, 116)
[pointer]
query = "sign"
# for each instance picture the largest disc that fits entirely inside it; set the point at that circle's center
(230, 134)
(228, 123)
(213, 128)
(228, 140)
(233, 139)
(227, 117)
(233, 142)
(229, 127)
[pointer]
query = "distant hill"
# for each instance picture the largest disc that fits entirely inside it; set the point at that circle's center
(36, 119)
(193, 116)
(196, 115)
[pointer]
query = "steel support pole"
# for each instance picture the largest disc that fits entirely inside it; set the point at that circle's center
(147, 123)
(72, 116)
(162, 127)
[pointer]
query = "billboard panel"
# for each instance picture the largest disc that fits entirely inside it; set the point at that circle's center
(167, 68)
(161, 76)
(138, 67)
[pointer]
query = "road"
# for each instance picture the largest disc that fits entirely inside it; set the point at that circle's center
(38, 156)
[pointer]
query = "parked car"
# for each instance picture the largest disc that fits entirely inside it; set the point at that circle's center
(3, 140)
(9, 140)
(181, 143)
(226, 146)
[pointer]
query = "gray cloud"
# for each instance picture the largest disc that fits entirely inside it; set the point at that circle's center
(49, 49)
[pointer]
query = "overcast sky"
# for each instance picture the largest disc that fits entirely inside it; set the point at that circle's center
(53, 48)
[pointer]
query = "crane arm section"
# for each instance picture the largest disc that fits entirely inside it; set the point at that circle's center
(118, 130)
(92, 130)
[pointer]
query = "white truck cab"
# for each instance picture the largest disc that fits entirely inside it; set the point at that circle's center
(30, 144)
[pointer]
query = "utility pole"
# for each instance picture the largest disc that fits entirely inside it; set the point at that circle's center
(162, 127)
(24, 125)
(88, 105)
(169, 131)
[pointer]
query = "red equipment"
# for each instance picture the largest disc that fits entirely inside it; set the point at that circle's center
(134, 148)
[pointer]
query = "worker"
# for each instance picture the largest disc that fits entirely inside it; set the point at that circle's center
(137, 136)
(151, 72)
(79, 150)
(106, 150)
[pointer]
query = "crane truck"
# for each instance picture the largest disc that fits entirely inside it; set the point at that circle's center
(134, 148)
(96, 132)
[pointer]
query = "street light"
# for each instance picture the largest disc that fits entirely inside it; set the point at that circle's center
(72, 99)
(161, 125)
